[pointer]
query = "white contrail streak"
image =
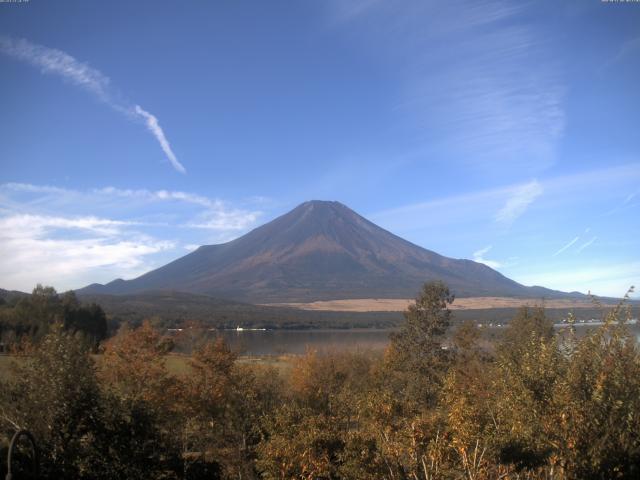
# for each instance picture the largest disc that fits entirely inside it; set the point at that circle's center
(566, 246)
(57, 62)
(156, 130)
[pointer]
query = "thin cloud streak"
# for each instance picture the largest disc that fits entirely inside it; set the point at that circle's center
(156, 130)
(626, 50)
(112, 191)
(519, 202)
(472, 99)
(478, 256)
(33, 225)
(225, 221)
(474, 205)
(601, 279)
(566, 246)
(586, 244)
(215, 214)
(161, 195)
(630, 197)
(56, 62)
(510, 202)
(626, 204)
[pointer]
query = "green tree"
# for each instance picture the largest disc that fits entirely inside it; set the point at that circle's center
(90, 320)
(417, 357)
(55, 395)
(32, 316)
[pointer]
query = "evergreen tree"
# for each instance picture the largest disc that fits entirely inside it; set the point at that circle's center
(417, 351)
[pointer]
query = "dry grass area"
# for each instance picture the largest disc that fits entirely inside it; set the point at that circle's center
(399, 305)
(176, 364)
(5, 366)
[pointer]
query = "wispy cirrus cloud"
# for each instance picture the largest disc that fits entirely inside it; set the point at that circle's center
(604, 279)
(468, 87)
(70, 238)
(478, 256)
(160, 195)
(225, 220)
(630, 197)
(567, 204)
(214, 214)
(626, 50)
(56, 62)
(34, 225)
(519, 201)
(33, 250)
(490, 205)
(501, 206)
(345, 11)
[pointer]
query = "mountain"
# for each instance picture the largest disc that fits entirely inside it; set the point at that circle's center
(318, 251)
(11, 295)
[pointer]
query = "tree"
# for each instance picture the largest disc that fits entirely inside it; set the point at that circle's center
(89, 320)
(55, 395)
(529, 365)
(224, 403)
(527, 324)
(317, 431)
(143, 398)
(598, 405)
(32, 316)
(134, 365)
(467, 389)
(417, 349)
(208, 395)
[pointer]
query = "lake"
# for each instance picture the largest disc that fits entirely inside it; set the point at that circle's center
(278, 342)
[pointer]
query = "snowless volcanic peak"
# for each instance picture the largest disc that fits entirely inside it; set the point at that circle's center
(320, 250)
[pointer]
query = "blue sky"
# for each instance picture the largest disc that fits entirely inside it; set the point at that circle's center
(505, 132)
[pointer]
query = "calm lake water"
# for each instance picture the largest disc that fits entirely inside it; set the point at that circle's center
(277, 342)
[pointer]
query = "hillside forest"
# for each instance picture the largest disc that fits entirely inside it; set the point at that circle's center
(535, 404)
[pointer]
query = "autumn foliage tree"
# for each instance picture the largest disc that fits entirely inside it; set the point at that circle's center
(536, 403)
(142, 399)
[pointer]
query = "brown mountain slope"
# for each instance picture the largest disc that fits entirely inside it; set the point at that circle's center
(319, 251)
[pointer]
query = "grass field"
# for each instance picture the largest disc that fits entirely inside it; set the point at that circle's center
(176, 364)
(5, 366)
(399, 305)
(179, 364)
